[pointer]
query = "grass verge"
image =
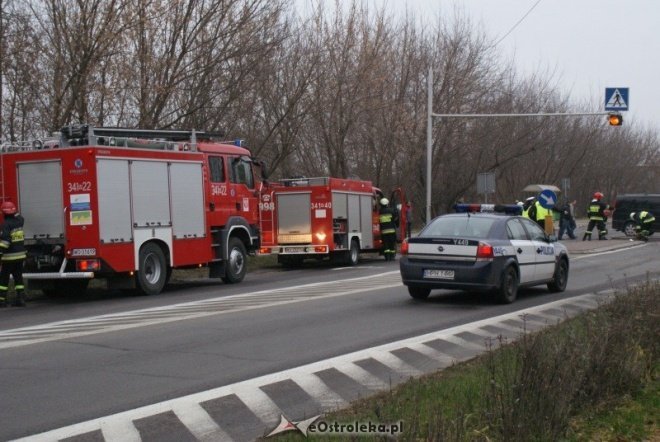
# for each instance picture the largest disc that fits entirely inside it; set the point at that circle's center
(593, 377)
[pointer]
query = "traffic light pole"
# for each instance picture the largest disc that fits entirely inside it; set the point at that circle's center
(429, 131)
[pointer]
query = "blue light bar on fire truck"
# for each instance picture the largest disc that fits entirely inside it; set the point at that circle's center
(507, 209)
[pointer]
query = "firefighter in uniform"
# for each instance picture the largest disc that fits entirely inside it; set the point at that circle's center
(388, 222)
(643, 224)
(597, 217)
(13, 252)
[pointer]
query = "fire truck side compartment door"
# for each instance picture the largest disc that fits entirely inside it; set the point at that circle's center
(339, 205)
(150, 192)
(40, 199)
(365, 222)
(114, 200)
(354, 213)
(187, 200)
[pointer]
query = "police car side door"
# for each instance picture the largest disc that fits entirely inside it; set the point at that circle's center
(524, 248)
(545, 251)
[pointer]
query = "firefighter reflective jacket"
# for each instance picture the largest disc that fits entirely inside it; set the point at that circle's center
(645, 218)
(596, 210)
(388, 220)
(12, 244)
(541, 212)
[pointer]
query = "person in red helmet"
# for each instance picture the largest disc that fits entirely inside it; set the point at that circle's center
(389, 220)
(597, 217)
(13, 252)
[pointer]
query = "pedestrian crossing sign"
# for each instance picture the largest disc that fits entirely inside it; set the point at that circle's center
(616, 99)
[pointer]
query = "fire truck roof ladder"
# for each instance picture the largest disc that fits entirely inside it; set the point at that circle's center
(164, 139)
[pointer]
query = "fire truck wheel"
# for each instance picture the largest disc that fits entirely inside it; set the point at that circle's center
(236, 266)
(353, 254)
(152, 273)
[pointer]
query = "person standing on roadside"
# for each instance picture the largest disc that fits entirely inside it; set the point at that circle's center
(12, 248)
(597, 217)
(527, 205)
(388, 223)
(567, 220)
(539, 213)
(408, 219)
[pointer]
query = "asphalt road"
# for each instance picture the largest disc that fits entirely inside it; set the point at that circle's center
(207, 334)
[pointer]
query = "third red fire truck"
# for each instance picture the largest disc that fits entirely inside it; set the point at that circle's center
(130, 205)
(324, 217)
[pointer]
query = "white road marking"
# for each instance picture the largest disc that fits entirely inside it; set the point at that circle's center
(396, 364)
(120, 430)
(257, 401)
(199, 423)
(319, 391)
(572, 256)
(362, 376)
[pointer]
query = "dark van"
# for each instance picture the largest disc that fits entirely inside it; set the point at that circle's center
(627, 203)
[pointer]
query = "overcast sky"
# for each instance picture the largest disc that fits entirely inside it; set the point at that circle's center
(590, 44)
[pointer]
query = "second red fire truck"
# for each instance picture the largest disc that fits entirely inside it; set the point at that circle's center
(324, 217)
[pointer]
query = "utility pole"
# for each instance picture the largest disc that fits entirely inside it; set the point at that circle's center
(429, 143)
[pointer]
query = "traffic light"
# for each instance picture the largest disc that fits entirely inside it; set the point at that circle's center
(615, 119)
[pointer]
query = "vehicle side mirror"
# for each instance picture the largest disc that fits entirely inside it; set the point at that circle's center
(552, 238)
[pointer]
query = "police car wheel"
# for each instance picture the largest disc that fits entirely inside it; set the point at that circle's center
(236, 266)
(508, 290)
(419, 292)
(558, 284)
(152, 270)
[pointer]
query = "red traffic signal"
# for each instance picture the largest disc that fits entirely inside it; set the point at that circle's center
(615, 119)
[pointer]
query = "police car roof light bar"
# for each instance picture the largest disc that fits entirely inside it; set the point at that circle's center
(507, 209)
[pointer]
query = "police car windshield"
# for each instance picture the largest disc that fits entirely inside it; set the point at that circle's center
(459, 227)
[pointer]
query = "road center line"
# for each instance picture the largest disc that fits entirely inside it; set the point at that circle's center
(190, 310)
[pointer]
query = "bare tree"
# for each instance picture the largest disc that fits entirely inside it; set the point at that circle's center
(78, 36)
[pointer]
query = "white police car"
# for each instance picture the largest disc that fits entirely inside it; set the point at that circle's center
(485, 247)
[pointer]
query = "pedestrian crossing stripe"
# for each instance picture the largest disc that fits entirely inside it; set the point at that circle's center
(616, 101)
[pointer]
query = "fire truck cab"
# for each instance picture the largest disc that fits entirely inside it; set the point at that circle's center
(324, 217)
(130, 205)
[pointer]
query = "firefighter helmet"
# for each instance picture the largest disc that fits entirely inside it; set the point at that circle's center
(8, 208)
(632, 215)
(384, 201)
(598, 196)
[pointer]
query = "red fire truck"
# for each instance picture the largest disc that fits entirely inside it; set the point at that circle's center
(323, 217)
(130, 205)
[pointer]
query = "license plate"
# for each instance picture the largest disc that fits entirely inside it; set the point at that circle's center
(294, 250)
(439, 274)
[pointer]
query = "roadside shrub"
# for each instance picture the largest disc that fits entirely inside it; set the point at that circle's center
(534, 388)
